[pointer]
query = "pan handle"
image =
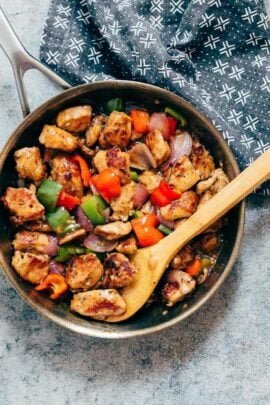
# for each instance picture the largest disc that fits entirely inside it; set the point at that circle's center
(22, 61)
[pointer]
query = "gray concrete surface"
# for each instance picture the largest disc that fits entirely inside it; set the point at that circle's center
(221, 355)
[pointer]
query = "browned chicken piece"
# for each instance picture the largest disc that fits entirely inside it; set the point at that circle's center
(123, 206)
(117, 131)
(29, 163)
(135, 136)
(113, 230)
(184, 207)
(179, 285)
(183, 258)
(202, 160)
(89, 153)
(114, 159)
(35, 242)
(216, 182)
(205, 197)
(98, 304)
(38, 226)
(209, 242)
(94, 131)
(118, 271)
(75, 119)
(56, 138)
(72, 236)
(23, 205)
(182, 176)
(150, 180)
(158, 146)
(67, 174)
(127, 246)
(31, 267)
(83, 272)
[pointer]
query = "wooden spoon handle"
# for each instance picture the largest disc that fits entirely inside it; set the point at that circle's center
(222, 202)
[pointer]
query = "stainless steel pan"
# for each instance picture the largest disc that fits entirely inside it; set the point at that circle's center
(149, 319)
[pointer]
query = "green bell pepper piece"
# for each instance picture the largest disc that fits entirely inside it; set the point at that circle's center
(58, 219)
(48, 194)
(94, 209)
(137, 214)
(115, 104)
(177, 115)
(134, 176)
(164, 229)
(67, 251)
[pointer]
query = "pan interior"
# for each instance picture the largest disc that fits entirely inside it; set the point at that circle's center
(155, 316)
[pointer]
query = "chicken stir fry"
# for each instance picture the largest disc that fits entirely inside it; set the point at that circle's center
(100, 186)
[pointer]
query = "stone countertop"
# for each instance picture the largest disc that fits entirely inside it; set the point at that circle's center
(221, 355)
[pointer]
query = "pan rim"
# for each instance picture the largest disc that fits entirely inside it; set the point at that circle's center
(118, 84)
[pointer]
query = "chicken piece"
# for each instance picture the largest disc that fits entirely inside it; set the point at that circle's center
(150, 180)
(183, 258)
(35, 242)
(179, 285)
(83, 272)
(135, 136)
(118, 271)
(216, 182)
(98, 304)
(117, 131)
(114, 159)
(72, 236)
(123, 206)
(182, 176)
(158, 146)
(205, 197)
(89, 153)
(29, 163)
(202, 160)
(94, 131)
(23, 205)
(38, 226)
(113, 230)
(127, 246)
(56, 138)
(184, 207)
(209, 242)
(31, 267)
(67, 174)
(75, 119)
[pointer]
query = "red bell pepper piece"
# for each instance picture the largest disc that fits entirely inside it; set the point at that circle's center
(85, 172)
(159, 199)
(163, 195)
(172, 126)
(140, 121)
(145, 231)
(166, 189)
(68, 201)
(56, 283)
(108, 184)
(194, 268)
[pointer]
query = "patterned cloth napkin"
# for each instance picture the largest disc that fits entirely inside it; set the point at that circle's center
(213, 53)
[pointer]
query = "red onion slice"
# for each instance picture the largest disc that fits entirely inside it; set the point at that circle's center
(161, 220)
(140, 196)
(98, 244)
(56, 268)
(83, 220)
(52, 247)
(160, 121)
(141, 158)
(180, 145)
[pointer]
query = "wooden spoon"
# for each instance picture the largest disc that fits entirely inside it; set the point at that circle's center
(152, 262)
